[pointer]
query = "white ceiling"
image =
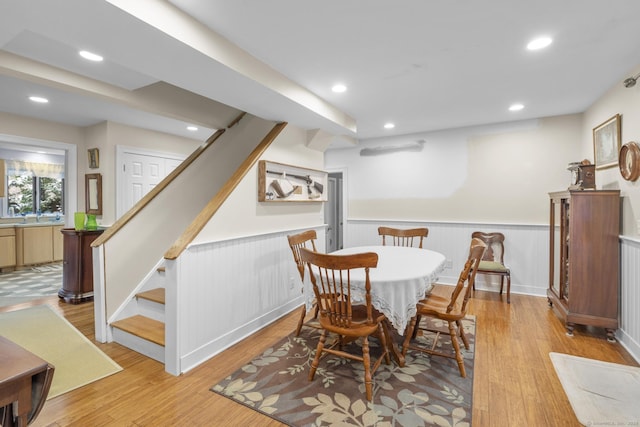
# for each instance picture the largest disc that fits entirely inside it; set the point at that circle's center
(424, 65)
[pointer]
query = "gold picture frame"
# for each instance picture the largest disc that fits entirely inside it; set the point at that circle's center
(606, 142)
(94, 158)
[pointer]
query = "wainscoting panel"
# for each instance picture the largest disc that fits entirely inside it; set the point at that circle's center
(526, 253)
(629, 332)
(526, 250)
(230, 289)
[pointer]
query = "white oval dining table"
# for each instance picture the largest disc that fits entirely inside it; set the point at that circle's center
(402, 278)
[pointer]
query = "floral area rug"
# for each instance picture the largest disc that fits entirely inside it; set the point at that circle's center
(427, 391)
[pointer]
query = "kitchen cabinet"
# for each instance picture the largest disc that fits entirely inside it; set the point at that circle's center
(38, 244)
(7, 247)
(77, 266)
(584, 258)
(58, 242)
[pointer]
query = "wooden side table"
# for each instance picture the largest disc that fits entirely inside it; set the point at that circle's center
(25, 380)
(77, 265)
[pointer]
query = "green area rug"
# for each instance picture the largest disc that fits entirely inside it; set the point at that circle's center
(46, 334)
(427, 391)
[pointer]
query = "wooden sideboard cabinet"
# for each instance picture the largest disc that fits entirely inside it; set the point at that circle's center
(584, 258)
(77, 265)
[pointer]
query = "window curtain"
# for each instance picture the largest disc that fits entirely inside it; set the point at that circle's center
(46, 170)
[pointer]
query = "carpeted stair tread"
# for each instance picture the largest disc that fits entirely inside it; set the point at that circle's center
(143, 327)
(155, 295)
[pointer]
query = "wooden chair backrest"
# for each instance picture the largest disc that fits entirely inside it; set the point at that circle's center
(306, 239)
(462, 291)
(403, 237)
(495, 245)
(331, 279)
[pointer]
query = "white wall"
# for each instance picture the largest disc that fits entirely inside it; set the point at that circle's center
(242, 215)
(106, 136)
(626, 102)
(496, 173)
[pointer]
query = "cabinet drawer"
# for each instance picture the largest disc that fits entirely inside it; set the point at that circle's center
(7, 232)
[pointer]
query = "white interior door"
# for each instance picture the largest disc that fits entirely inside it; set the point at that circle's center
(333, 214)
(140, 172)
(330, 217)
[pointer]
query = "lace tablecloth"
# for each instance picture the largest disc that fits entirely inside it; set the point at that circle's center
(400, 280)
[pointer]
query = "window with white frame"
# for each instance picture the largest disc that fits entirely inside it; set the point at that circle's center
(34, 188)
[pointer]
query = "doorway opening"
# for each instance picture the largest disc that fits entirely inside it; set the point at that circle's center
(334, 212)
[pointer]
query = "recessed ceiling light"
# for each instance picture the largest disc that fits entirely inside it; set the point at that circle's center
(192, 128)
(516, 107)
(339, 88)
(539, 43)
(90, 56)
(389, 125)
(38, 99)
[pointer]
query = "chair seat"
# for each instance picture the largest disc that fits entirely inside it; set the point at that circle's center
(437, 305)
(359, 325)
(492, 266)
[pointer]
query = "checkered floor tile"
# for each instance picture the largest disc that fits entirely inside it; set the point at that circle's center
(37, 281)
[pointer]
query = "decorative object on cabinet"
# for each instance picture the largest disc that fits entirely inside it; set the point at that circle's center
(629, 161)
(93, 193)
(77, 265)
(278, 182)
(583, 175)
(584, 255)
(92, 224)
(606, 142)
(94, 158)
(79, 219)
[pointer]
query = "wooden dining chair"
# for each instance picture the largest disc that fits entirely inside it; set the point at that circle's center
(451, 310)
(306, 239)
(331, 279)
(403, 237)
(493, 260)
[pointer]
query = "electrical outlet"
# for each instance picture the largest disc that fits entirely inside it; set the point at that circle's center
(448, 264)
(292, 282)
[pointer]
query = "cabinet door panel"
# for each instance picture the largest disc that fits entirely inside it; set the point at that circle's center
(7, 251)
(58, 242)
(38, 245)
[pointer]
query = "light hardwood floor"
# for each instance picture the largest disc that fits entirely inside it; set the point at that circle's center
(514, 381)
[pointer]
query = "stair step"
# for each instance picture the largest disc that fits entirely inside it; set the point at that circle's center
(143, 327)
(155, 295)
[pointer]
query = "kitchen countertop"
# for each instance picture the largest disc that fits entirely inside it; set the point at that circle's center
(31, 224)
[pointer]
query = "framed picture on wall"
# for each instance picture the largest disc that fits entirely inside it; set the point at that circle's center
(278, 182)
(606, 143)
(94, 158)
